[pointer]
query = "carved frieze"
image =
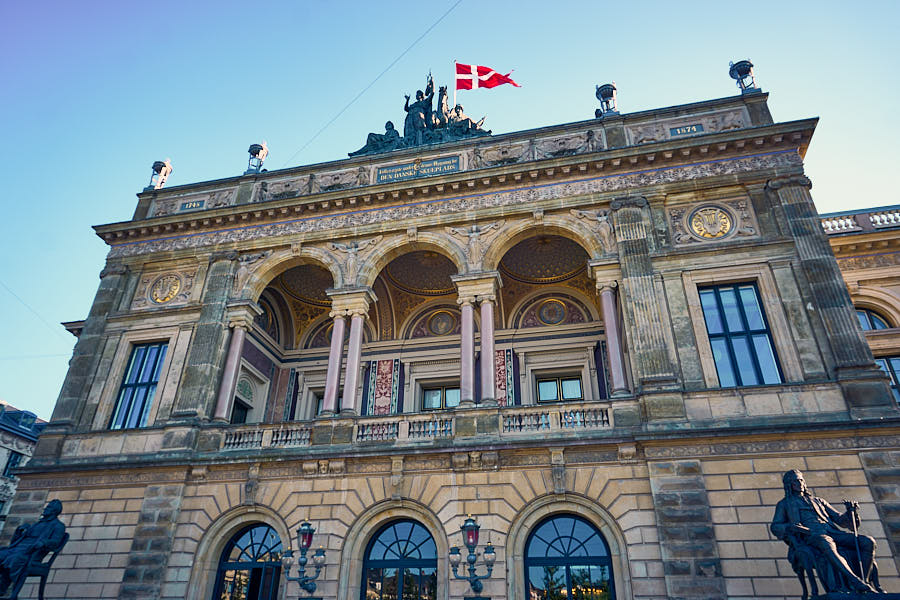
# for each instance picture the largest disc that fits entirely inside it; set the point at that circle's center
(187, 203)
(659, 131)
(712, 221)
(448, 206)
(164, 288)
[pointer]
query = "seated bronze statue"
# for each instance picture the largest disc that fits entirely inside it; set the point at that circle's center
(29, 545)
(812, 529)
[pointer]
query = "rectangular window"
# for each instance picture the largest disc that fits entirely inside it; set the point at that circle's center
(139, 386)
(739, 335)
(891, 366)
(15, 458)
(239, 412)
(440, 397)
(558, 389)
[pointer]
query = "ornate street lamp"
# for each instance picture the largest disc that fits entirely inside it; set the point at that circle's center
(470, 538)
(304, 541)
(161, 170)
(742, 73)
(258, 154)
(606, 94)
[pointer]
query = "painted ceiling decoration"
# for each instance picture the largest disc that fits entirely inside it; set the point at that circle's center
(422, 272)
(544, 259)
(307, 283)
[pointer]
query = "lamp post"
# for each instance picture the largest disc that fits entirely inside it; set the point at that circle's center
(470, 538)
(304, 541)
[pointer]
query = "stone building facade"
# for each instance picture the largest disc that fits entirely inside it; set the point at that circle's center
(19, 431)
(525, 328)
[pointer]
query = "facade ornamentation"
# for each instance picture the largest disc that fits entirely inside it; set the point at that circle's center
(707, 222)
(475, 245)
(351, 260)
(600, 224)
(171, 288)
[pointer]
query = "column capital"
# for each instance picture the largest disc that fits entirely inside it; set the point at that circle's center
(338, 314)
(351, 301)
(607, 284)
(487, 298)
(475, 285)
(466, 300)
(604, 273)
(241, 313)
(628, 202)
(795, 180)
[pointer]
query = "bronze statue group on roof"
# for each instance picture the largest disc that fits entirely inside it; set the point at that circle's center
(423, 125)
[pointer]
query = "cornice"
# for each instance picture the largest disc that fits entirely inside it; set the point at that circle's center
(733, 143)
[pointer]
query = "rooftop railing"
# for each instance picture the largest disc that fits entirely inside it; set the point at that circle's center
(853, 221)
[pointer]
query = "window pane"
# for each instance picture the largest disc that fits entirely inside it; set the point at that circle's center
(766, 358)
(588, 582)
(134, 367)
(547, 583)
(411, 584)
(159, 361)
(137, 405)
(149, 365)
(723, 363)
(711, 312)
(895, 368)
(863, 320)
(547, 391)
(744, 360)
(730, 306)
(877, 322)
(122, 408)
(751, 307)
(428, 591)
(571, 389)
(431, 399)
(389, 584)
(451, 396)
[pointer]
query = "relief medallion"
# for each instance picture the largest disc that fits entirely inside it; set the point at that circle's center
(164, 288)
(710, 222)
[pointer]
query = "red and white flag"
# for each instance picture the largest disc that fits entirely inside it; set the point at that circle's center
(472, 77)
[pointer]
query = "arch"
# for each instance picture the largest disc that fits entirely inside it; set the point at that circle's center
(284, 321)
(280, 261)
(562, 226)
(405, 547)
(217, 536)
(582, 299)
(570, 504)
(318, 329)
(882, 301)
(364, 529)
(393, 247)
(406, 328)
(252, 557)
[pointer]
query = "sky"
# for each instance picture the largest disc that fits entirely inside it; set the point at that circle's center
(93, 92)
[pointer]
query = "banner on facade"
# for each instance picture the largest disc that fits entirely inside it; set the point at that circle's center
(504, 381)
(384, 387)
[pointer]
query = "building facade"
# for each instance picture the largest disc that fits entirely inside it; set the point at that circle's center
(605, 341)
(19, 431)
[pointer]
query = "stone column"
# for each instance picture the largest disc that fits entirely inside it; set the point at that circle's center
(335, 359)
(618, 384)
(467, 349)
(354, 302)
(488, 356)
(202, 370)
(654, 369)
(87, 351)
(354, 354)
(240, 321)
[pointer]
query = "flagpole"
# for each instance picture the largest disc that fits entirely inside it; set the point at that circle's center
(454, 86)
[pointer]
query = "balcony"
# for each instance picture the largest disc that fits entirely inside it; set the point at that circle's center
(498, 424)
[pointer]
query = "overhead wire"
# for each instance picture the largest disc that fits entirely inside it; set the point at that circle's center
(54, 329)
(374, 81)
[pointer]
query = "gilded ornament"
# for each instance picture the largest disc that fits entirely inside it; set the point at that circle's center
(165, 288)
(552, 312)
(441, 322)
(710, 222)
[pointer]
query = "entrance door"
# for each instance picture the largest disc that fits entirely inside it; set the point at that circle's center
(250, 566)
(400, 564)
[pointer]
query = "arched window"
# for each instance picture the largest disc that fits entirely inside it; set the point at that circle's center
(250, 566)
(567, 557)
(400, 564)
(869, 320)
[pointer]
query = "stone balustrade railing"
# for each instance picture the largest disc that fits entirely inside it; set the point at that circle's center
(410, 428)
(871, 219)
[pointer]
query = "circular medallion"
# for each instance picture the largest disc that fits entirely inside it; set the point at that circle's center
(441, 323)
(165, 288)
(552, 312)
(245, 389)
(710, 222)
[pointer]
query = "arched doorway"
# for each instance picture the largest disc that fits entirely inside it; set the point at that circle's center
(250, 565)
(567, 557)
(400, 563)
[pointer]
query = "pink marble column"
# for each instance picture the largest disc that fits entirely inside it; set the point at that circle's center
(613, 339)
(335, 357)
(467, 350)
(488, 369)
(229, 376)
(354, 352)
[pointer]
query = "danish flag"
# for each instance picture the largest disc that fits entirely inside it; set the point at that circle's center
(472, 77)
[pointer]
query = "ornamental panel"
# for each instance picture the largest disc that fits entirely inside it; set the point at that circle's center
(712, 222)
(163, 288)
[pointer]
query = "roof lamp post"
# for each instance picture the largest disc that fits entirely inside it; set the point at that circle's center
(258, 154)
(470, 538)
(606, 94)
(304, 541)
(161, 170)
(742, 73)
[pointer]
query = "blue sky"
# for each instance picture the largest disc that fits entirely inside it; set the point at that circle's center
(94, 92)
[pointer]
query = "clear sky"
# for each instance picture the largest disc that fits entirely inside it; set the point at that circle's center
(93, 92)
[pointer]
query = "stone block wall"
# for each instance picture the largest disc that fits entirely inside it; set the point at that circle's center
(742, 497)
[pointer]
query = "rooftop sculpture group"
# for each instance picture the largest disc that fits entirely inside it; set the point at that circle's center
(424, 125)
